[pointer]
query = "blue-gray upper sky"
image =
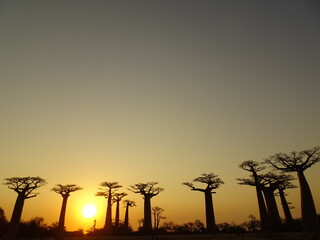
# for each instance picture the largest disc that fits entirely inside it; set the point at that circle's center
(134, 90)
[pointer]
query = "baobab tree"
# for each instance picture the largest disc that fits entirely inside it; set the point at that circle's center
(213, 182)
(128, 204)
(109, 189)
(254, 167)
(285, 183)
(268, 183)
(117, 197)
(24, 187)
(148, 191)
(64, 191)
(157, 216)
(299, 162)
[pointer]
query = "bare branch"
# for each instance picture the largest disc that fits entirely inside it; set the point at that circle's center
(25, 186)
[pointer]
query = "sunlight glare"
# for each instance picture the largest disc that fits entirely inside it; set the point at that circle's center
(89, 211)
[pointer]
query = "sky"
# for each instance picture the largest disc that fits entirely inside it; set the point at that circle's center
(144, 91)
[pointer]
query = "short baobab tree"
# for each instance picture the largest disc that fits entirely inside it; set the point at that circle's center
(117, 197)
(25, 187)
(128, 204)
(285, 183)
(254, 167)
(213, 182)
(108, 189)
(299, 161)
(148, 191)
(64, 191)
(157, 216)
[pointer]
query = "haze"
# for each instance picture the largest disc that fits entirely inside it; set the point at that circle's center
(139, 91)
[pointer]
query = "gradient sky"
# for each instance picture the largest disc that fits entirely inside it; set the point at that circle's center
(138, 91)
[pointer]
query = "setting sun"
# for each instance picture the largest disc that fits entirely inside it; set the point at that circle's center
(89, 211)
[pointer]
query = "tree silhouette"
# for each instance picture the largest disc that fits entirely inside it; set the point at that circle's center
(3, 223)
(117, 197)
(298, 162)
(254, 167)
(213, 182)
(24, 187)
(148, 191)
(108, 190)
(157, 216)
(285, 183)
(64, 191)
(269, 184)
(127, 203)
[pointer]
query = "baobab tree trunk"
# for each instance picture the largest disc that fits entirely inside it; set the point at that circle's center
(272, 209)
(126, 218)
(13, 229)
(60, 233)
(308, 209)
(210, 219)
(108, 222)
(264, 218)
(147, 225)
(286, 209)
(117, 215)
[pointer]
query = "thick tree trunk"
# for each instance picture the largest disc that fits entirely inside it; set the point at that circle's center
(60, 233)
(117, 215)
(210, 219)
(286, 209)
(147, 225)
(309, 214)
(13, 229)
(264, 218)
(108, 222)
(273, 209)
(126, 218)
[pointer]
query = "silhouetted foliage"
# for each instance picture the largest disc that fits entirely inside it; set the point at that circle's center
(231, 228)
(64, 191)
(3, 223)
(34, 228)
(148, 191)
(191, 227)
(213, 182)
(299, 162)
(252, 225)
(24, 187)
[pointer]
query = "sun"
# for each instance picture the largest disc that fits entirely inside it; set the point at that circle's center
(89, 211)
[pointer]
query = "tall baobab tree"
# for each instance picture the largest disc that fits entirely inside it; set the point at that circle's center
(268, 183)
(109, 189)
(254, 167)
(148, 191)
(299, 162)
(127, 203)
(25, 187)
(213, 182)
(117, 197)
(64, 191)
